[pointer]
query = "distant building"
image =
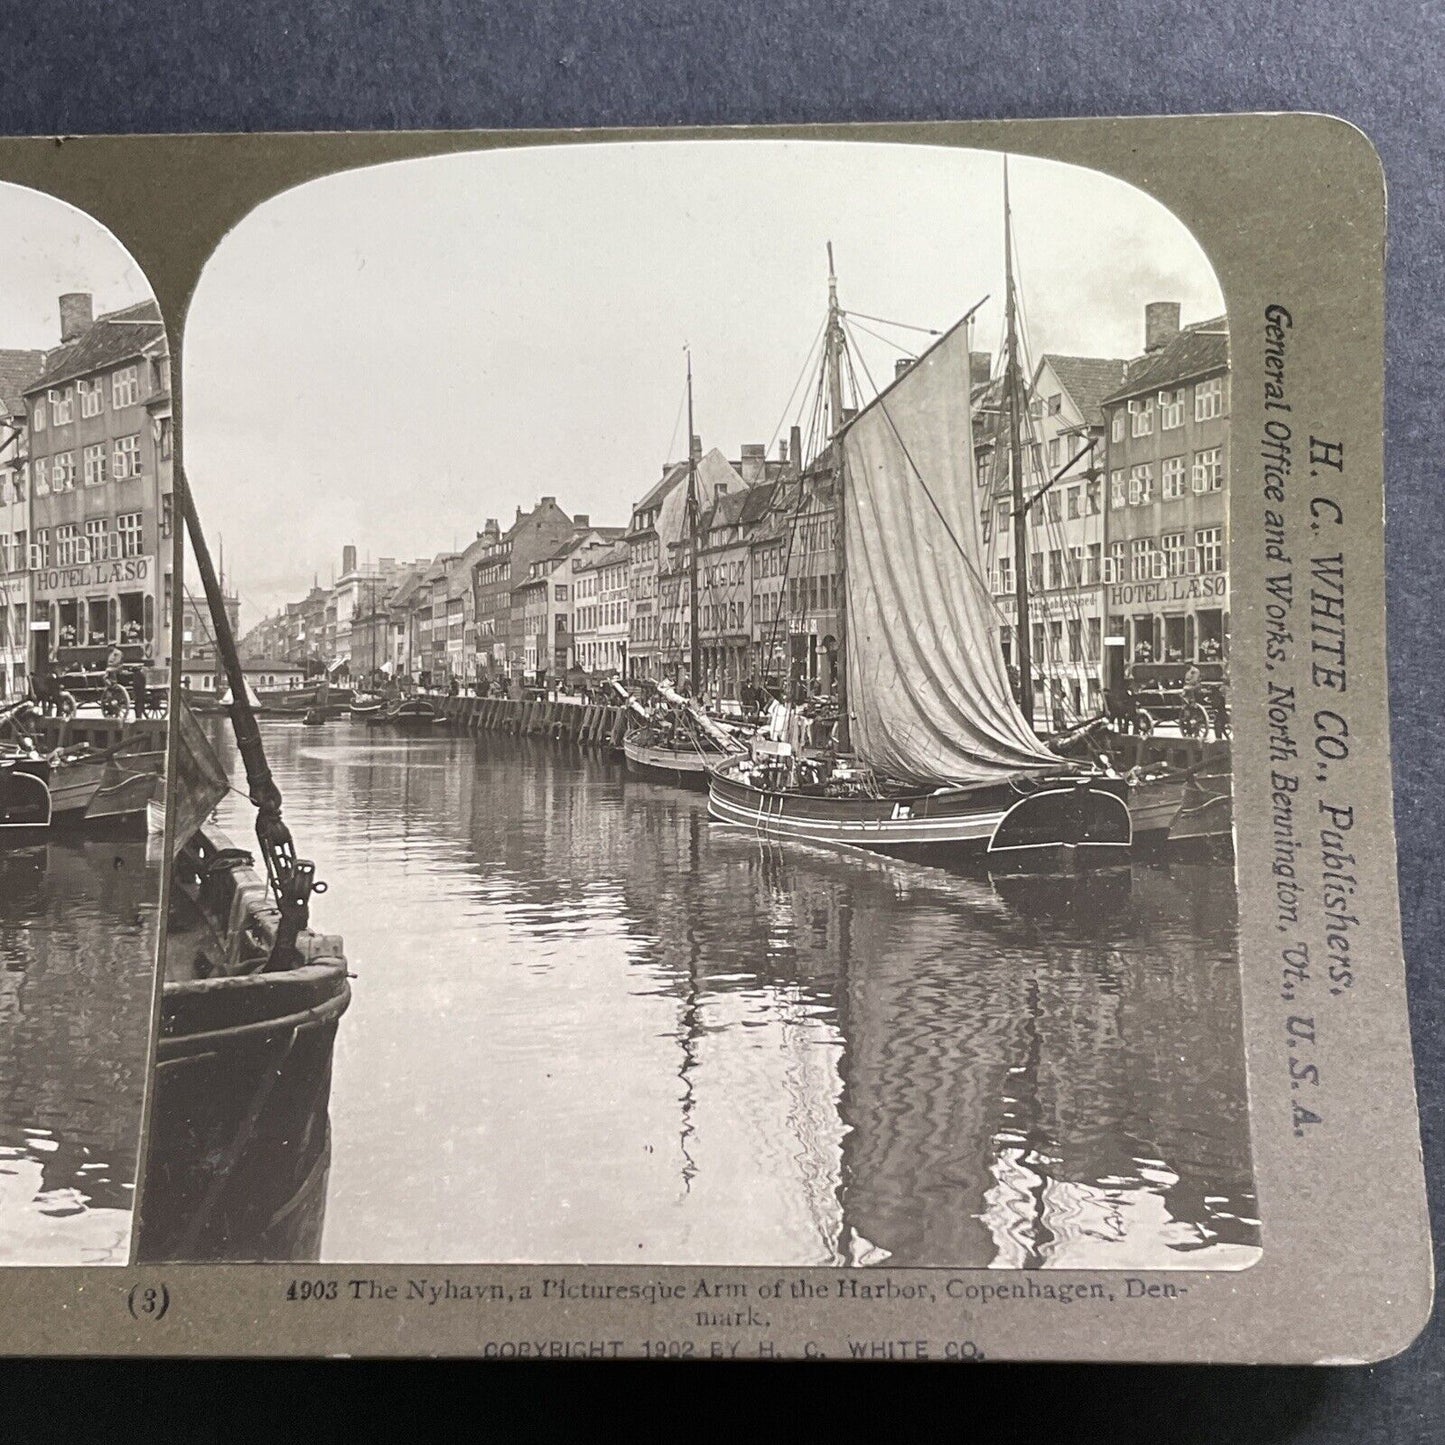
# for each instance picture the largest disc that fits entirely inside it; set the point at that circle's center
(600, 575)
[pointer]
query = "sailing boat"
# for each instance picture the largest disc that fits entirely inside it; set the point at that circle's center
(680, 742)
(936, 760)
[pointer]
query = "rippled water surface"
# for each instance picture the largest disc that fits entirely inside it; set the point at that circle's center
(590, 1025)
(77, 955)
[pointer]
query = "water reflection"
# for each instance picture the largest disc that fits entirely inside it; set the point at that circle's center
(77, 947)
(589, 1025)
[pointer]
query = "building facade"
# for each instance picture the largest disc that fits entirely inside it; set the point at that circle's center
(18, 370)
(1063, 479)
(101, 523)
(1166, 568)
(601, 574)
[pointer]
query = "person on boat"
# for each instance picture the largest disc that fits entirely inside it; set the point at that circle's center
(138, 690)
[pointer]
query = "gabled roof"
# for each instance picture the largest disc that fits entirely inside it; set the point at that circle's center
(112, 338)
(1196, 350)
(676, 473)
(1088, 380)
(18, 371)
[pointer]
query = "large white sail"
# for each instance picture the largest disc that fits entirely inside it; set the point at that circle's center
(928, 693)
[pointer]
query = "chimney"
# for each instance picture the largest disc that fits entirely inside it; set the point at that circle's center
(783, 451)
(519, 513)
(696, 448)
(581, 521)
(795, 445)
(348, 558)
(754, 462)
(77, 315)
(980, 368)
(1161, 324)
(901, 366)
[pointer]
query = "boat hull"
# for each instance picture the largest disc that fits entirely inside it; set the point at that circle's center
(1069, 820)
(409, 717)
(25, 810)
(682, 768)
(240, 1140)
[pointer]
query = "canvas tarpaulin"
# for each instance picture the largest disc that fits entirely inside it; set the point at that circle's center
(928, 693)
(200, 779)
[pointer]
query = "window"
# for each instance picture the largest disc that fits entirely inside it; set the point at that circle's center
(1056, 404)
(66, 538)
(1076, 639)
(1171, 409)
(1116, 562)
(1054, 457)
(127, 457)
(38, 418)
(62, 406)
(1209, 399)
(1118, 495)
(1095, 644)
(1141, 412)
(559, 592)
(1209, 549)
(92, 398)
(1056, 642)
(1142, 549)
(1141, 485)
(97, 540)
(1172, 545)
(1094, 496)
(1005, 574)
(1056, 569)
(42, 477)
(95, 465)
(1076, 566)
(1116, 427)
(40, 549)
(1173, 478)
(62, 472)
(1036, 569)
(1096, 562)
(124, 387)
(1209, 470)
(1074, 495)
(128, 525)
(1055, 505)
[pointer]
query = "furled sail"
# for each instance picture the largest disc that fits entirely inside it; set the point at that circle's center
(928, 693)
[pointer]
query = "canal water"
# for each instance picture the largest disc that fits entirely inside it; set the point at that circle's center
(588, 1025)
(77, 962)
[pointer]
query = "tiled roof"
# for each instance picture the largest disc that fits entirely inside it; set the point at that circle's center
(1195, 351)
(1088, 380)
(18, 370)
(115, 337)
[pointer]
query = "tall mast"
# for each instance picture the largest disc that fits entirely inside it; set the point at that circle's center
(1013, 385)
(693, 641)
(834, 354)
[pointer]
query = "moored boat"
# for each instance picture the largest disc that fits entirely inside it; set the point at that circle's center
(25, 810)
(239, 1132)
(934, 755)
(412, 714)
(239, 1135)
(365, 705)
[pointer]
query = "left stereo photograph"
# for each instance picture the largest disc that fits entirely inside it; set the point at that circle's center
(87, 546)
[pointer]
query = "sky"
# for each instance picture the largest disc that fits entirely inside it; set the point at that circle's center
(390, 356)
(47, 248)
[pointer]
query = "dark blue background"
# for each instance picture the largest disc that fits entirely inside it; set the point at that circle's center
(114, 65)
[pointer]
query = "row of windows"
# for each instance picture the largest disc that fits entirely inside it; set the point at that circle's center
(1144, 560)
(607, 614)
(118, 461)
(74, 547)
(1169, 407)
(1081, 567)
(57, 407)
(1084, 646)
(1137, 489)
